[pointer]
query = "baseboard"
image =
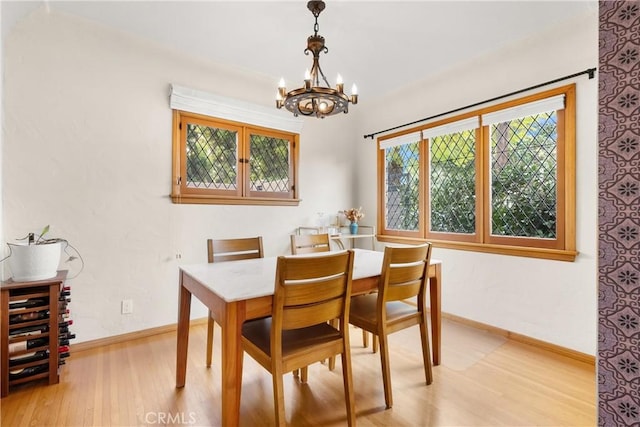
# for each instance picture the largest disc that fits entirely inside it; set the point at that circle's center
(573, 354)
(117, 339)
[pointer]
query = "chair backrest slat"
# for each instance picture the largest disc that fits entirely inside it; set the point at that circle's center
(302, 316)
(309, 243)
(220, 250)
(306, 292)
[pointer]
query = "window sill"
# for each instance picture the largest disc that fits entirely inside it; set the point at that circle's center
(529, 252)
(221, 200)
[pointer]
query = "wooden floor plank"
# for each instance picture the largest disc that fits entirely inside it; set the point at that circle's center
(484, 379)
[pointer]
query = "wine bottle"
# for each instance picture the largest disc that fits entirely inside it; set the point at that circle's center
(65, 293)
(28, 330)
(67, 335)
(62, 341)
(25, 317)
(64, 355)
(63, 349)
(27, 345)
(28, 303)
(26, 372)
(65, 324)
(28, 358)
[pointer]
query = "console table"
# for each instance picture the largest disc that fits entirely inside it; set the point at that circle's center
(339, 234)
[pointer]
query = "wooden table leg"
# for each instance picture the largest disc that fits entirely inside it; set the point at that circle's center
(232, 355)
(435, 297)
(184, 313)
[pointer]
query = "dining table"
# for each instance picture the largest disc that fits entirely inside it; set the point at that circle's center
(242, 290)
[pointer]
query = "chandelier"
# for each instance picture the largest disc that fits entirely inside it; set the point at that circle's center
(313, 99)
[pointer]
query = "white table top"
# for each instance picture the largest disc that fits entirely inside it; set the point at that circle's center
(253, 278)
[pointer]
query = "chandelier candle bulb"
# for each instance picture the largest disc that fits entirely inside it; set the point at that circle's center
(307, 80)
(339, 84)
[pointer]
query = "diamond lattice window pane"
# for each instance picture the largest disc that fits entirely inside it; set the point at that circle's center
(211, 157)
(524, 176)
(269, 163)
(453, 178)
(402, 187)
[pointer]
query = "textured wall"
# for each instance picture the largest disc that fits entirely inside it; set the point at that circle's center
(619, 222)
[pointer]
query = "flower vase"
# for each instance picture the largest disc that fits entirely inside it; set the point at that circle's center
(353, 228)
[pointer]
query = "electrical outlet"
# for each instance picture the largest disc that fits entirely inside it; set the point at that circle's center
(127, 306)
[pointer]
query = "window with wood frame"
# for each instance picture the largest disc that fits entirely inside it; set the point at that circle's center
(500, 179)
(218, 161)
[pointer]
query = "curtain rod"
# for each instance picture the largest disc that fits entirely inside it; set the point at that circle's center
(590, 71)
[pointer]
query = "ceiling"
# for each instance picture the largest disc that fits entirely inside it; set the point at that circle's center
(380, 45)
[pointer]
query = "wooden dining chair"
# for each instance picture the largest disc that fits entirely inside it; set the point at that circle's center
(404, 276)
(309, 292)
(309, 243)
(306, 244)
(222, 250)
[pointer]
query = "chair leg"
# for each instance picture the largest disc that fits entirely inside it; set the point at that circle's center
(365, 339)
(278, 397)
(374, 346)
(386, 372)
(347, 379)
(303, 375)
(332, 359)
(209, 339)
(426, 351)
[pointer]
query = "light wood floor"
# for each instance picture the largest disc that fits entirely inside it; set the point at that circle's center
(484, 380)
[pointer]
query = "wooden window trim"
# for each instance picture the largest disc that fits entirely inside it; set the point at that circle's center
(180, 194)
(562, 248)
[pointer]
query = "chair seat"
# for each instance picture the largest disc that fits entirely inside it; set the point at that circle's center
(293, 340)
(363, 311)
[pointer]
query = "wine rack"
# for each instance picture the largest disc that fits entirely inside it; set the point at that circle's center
(34, 335)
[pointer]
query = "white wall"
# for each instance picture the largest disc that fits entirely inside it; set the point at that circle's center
(87, 149)
(552, 301)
